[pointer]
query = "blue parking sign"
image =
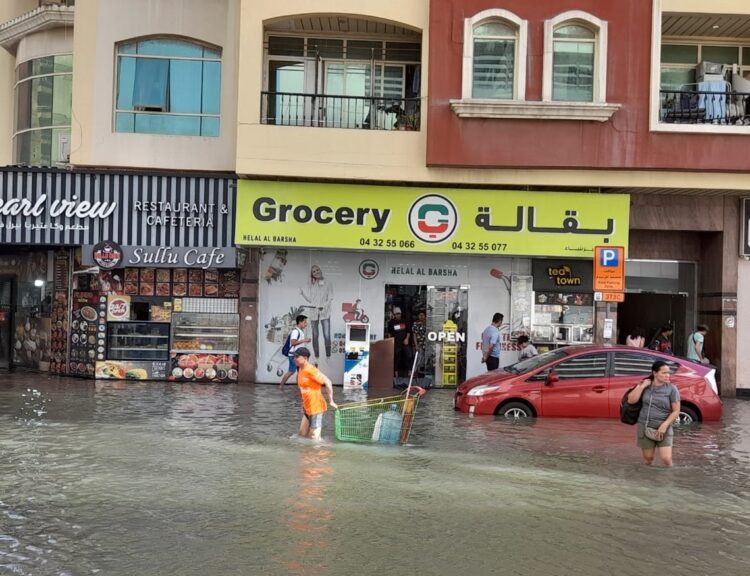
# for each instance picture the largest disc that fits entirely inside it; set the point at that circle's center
(609, 258)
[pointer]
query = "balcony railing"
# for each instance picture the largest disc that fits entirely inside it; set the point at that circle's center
(699, 107)
(323, 111)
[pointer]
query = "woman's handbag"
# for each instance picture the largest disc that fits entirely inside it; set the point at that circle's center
(629, 412)
(648, 432)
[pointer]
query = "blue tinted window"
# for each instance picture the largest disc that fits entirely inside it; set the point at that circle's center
(168, 86)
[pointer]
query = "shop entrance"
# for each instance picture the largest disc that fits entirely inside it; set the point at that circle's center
(651, 311)
(437, 316)
(7, 291)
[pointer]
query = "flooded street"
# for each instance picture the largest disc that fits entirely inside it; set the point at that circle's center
(157, 479)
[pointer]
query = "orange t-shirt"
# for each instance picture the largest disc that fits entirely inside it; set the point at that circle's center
(309, 380)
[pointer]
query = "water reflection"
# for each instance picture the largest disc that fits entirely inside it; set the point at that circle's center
(157, 478)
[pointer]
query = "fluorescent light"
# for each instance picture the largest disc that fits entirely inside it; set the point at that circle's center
(38, 283)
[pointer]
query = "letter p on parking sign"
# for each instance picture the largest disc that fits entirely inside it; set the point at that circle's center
(609, 269)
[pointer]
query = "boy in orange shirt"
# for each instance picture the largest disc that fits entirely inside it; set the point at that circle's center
(309, 380)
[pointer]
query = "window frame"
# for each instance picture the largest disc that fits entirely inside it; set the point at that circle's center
(600, 29)
(118, 56)
(521, 47)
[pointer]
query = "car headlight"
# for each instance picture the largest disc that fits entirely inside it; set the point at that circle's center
(482, 390)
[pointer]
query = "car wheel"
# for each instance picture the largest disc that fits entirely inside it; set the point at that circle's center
(515, 410)
(687, 416)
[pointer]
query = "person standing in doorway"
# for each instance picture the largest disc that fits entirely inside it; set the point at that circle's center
(695, 344)
(662, 342)
(319, 294)
(660, 409)
(528, 350)
(636, 338)
(491, 343)
(309, 381)
(296, 339)
(403, 340)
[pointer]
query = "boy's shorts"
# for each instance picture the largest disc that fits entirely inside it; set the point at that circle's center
(316, 420)
(292, 365)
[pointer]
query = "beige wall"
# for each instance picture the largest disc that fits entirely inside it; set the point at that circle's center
(9, 9)
(99, 26)
(704, 6)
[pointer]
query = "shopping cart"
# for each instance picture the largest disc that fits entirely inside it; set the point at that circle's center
(383, 420)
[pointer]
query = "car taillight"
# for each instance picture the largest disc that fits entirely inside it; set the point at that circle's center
(710, 377)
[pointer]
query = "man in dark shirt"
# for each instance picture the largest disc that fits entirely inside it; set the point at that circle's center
(403, 342)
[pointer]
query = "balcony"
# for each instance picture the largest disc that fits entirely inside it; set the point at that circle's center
(331, 111)
(725, 107)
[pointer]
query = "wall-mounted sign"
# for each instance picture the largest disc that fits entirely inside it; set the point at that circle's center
(609, 268)
(562, 275)
(74, 208)
(107, 255)
(174, 257)
(118, 308)
(745, 227)
(382, 218)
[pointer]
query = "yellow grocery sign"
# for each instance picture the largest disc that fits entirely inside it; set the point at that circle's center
(312, 215)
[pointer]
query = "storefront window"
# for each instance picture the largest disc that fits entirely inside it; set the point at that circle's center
(43, 110)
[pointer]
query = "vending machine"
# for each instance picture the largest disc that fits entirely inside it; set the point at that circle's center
(356, 356)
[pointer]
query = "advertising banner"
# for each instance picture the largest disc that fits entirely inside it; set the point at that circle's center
(383, 218)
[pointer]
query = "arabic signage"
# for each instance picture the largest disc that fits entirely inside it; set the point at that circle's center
(171, 257)
(497, 222)
(609, 269)
(745, 227)
(71, 208)
(570, 276)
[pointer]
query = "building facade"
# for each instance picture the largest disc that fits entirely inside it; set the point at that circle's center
(634, 111)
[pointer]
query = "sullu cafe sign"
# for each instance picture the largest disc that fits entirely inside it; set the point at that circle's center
(497, 222)
(170, 257)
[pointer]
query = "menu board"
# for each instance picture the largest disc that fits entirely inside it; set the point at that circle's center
(87, 332)
(521, 305)
(203, 367)
(182, 282)
(59, 314)
(132, 370)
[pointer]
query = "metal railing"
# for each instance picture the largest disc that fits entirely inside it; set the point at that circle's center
(698, 107)
(325, 111)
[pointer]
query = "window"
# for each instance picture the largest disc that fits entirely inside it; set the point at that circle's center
(43, 110)
(575, 58)
(168, 86)
(637, 365)
(494, 64)
(586, 366)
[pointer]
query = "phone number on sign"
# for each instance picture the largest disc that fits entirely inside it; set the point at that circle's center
(480, 246)
(386, 243)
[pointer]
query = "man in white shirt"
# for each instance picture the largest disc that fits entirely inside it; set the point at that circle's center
(695, 344)
(296, 340)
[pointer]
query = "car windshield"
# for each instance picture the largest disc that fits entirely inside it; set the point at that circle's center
(536, 361)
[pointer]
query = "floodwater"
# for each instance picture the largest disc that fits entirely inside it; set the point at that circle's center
(156, 479)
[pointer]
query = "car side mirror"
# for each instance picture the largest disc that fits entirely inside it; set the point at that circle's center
(551, 379)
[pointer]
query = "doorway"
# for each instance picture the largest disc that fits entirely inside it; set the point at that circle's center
(651, 311)
(7, 297)
(437, 316)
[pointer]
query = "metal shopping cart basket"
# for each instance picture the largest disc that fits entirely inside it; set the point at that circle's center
(383, 420)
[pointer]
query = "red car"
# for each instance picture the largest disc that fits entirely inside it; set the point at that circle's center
(585, 381)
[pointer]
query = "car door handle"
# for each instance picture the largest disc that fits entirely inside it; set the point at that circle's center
(599, 389)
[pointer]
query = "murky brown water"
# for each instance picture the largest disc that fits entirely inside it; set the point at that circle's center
(159, 479)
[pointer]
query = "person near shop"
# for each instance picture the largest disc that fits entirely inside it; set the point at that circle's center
(662, 342)
(403, 342)
(528, 350)
(636, 338)
(319, 295)
(309, 381)
(695, 344)
(491, 343)
(660, 408)
(296, 339)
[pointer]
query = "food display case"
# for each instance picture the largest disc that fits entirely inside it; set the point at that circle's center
(138, 341)
(205, 346)
(560, 319)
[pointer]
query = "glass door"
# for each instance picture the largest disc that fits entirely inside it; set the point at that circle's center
(7, 289)
(291, 92)
(445, 343)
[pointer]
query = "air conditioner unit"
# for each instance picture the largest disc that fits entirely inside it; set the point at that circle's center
(708, 72)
